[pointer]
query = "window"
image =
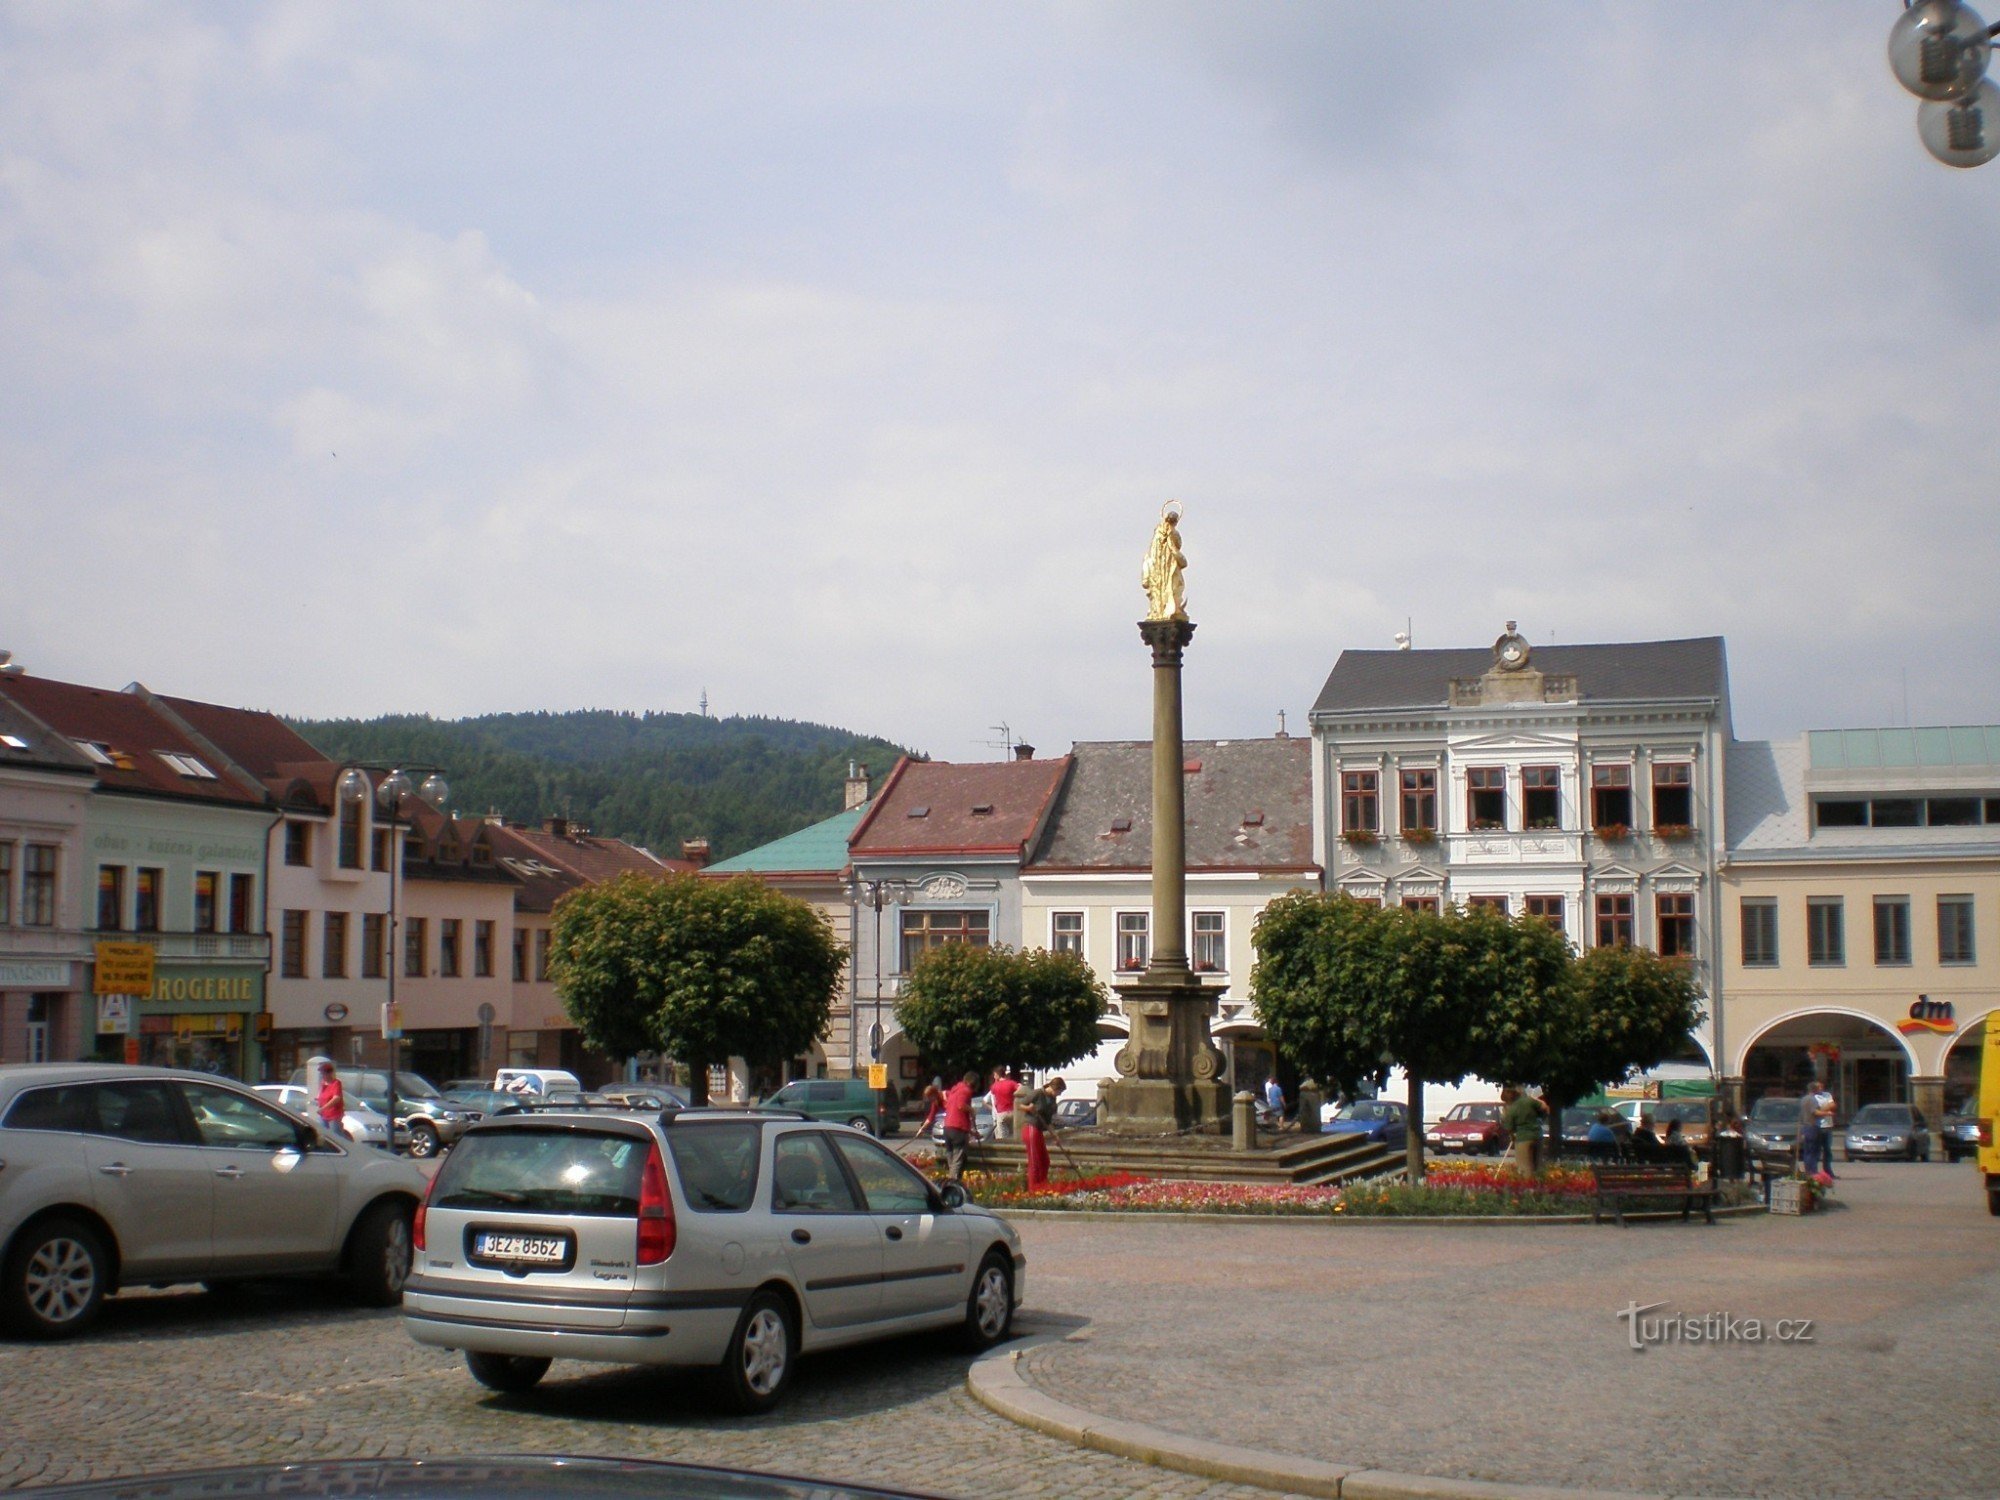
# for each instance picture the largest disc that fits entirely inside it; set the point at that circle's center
(292, 946)
(374, 944)
(1841, 813)
(1541, 797)
(1955, 930)
(41, 1020)
(1547, 908)
(542, 938)
(1420, 790)
(350, 835)
(224, 1117)
(1357, 802)
(1611, 797)
(1826, 932)
(1892, 931)
(146, 900)
(241, 888)
(888, 1186)
(416, 932)
(1673, 916)
(1066, 932)
(187, 765)
(1759, 916)
(1487, 903)
(298, 842)
(806, 1179)
(110, 898)
(38, 886)
(1135, 934)
(482, 950)
(1421, 903)
(1953, 812)
(378, 849)
(333, 946)
(520, 955)
(925, 930)
(450, 930)
(1211, 955)
(207, 886)
(1673, 795)
(1896, 812)
(6, 884)
(1614, 921)
(1486, 797)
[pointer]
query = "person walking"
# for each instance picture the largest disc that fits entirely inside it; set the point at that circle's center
(1039, 1120)
(1006, 1088)
(1522, 1118)
(331, 1101)
(958, 1124)
(1274, 1101)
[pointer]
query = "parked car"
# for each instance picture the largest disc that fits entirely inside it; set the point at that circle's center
(1773, 1124)
(121, 1176)
(1473, 1127)
(480, 1101)
(432, 1122)
(982, 1123)
(753, 1237)
(1696, 1116)
(1961, 1131)
(649, 1095)
(535, 1080)
(1887, 1130)
(362, 1121)
(1575, 1130)
(1382, 1121)
(1071, 1114)
(847, 1101)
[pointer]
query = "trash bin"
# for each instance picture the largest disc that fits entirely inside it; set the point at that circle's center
(1732, 1158)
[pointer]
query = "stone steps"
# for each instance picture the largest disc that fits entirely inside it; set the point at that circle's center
(1300, 1160)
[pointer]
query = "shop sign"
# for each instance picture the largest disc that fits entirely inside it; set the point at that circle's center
(114, 1015)
(198, 983)
(336, 1012)
(1934, 1017)
(34, 976)
(124, 969)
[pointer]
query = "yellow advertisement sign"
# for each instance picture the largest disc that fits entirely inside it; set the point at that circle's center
(878, 1075)
(124, 969)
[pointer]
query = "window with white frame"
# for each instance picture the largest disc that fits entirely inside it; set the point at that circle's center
(1486, 798)
(1066, 932)
(1610, 797)
(40, 1018)
(927, 928)
(1673, 795)
(1135, 933)
(38, 886)
(1420, 800)
(1358, 802)
(1211, 952)
(1541, 797)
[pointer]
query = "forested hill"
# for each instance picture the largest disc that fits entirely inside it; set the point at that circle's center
(653, 778)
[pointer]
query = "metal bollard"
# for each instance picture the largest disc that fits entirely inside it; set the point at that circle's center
(1243, 1119)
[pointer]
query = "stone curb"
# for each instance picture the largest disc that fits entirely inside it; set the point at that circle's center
(996, 1381)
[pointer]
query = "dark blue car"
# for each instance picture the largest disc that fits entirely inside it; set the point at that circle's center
(1382, 1121)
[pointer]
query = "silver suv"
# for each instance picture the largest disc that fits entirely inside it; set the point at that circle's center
(117, 1176)
(432, 1121)
(712, 1239)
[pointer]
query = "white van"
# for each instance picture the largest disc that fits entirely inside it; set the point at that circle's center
(536, 1081)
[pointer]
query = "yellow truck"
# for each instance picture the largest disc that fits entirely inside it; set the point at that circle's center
(1989, 1114)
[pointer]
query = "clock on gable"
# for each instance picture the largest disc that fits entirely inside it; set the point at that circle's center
(1510, 652)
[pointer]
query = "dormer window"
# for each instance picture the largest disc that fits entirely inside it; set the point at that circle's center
(100, 754)
(187, 765)
(13, 742)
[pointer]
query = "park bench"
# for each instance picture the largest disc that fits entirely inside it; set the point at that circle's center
(1767, 1167)
(1622, 1183)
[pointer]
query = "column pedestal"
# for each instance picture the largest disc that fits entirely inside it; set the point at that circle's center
(1169, 1073)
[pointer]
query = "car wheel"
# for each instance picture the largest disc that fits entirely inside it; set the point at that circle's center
(863, 1124)
(423, 1140)
(989, 1309)
(758, 1366)
(54, 1281)
(378, 1253)
(512, 1373)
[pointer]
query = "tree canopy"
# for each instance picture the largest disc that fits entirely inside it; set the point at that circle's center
(1633, 1009)
(969, 1009)
(700, 970)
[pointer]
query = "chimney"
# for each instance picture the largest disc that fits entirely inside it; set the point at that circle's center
(557, 827)
(695, 852)
(857, 787)
(1024, 751)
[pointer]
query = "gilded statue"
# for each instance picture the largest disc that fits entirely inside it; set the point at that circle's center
(1163, 576)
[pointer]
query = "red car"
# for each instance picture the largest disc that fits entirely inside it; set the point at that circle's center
(1469, 1128)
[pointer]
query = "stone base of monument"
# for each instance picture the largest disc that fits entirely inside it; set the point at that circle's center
(1169, 1072)
(1141, 1107)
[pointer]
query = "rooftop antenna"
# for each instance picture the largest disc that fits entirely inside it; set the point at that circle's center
(1006, 740)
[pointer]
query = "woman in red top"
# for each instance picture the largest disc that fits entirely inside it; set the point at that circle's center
(958, 1124)
(332, 1100)
(1005, 1087)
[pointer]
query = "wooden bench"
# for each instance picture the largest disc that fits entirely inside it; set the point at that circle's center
(1620, 1183)
(1767, 1167)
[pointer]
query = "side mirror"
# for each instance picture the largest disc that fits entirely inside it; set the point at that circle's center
(308, 1137)
(953, 1194)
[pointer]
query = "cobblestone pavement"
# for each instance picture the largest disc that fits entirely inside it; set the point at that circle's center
(1496, 1353)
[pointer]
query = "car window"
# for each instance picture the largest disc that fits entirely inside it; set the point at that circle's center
(1881, 1114)
(791, 1095)
(717, 1165)
(1769, 1108)
(140, 1110)
(825, 1093)
(544, 1171)
(888, 1186)
(806, 1177)
(223, 1117)
(65, 1107)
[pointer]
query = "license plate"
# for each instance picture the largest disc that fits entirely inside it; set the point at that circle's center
(541, 1249)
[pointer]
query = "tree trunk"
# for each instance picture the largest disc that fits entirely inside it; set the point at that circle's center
(697, 1081)
(1413, 1142)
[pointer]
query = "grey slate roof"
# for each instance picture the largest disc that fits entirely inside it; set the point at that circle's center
(1624, 672)
(1112, 781)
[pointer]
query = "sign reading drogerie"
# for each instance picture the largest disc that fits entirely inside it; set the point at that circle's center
(124, 969)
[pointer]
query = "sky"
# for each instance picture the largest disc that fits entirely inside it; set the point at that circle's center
(835, 360)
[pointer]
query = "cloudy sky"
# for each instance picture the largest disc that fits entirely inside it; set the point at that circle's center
(836, 359)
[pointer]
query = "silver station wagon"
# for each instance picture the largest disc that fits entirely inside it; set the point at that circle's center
(712, 1239)
(117, 1176)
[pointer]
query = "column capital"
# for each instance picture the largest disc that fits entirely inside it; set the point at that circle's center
(1168, 638)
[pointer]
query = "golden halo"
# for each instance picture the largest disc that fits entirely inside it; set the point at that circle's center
(1172, 511)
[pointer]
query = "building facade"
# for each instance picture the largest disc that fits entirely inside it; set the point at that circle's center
(46, 1010)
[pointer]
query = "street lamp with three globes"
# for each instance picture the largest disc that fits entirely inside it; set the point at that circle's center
(1938, 50)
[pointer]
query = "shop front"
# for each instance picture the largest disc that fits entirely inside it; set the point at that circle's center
(206, 1017)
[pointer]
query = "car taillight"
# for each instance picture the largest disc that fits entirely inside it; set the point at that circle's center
(1985, 1132)
(656, 1212)
(423, 1207)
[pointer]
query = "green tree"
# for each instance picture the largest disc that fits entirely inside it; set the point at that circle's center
(701, 970)
(968, 1009)
(1629, 1009)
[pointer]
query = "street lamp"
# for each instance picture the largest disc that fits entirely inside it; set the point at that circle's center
(1938, 50)
(352, 789)
(878, 894)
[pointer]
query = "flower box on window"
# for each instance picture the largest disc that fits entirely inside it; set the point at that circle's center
(1420, 835)
(1612, 831)
(1673, 830)
(1360, 836)
(1488, 825)
(1545, 825)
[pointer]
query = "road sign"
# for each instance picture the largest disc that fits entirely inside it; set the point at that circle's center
(878, 1075)
(392, 1021)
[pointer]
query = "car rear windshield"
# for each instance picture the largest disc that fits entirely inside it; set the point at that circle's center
(1772, 1108)
(544, 1172)
(717, 1164)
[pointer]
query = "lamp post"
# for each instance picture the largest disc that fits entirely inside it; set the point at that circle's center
(389, 794)
(1938, 50)
(878, 894)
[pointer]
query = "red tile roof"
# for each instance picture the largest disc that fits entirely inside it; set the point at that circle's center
(936, 807)
(550, 865)
(133, 734)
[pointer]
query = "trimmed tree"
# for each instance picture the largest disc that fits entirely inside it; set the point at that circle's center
(968, 1009)
(700, 970)
(1631, 1010)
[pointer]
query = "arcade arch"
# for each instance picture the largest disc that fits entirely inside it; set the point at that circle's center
(1860, 1059)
